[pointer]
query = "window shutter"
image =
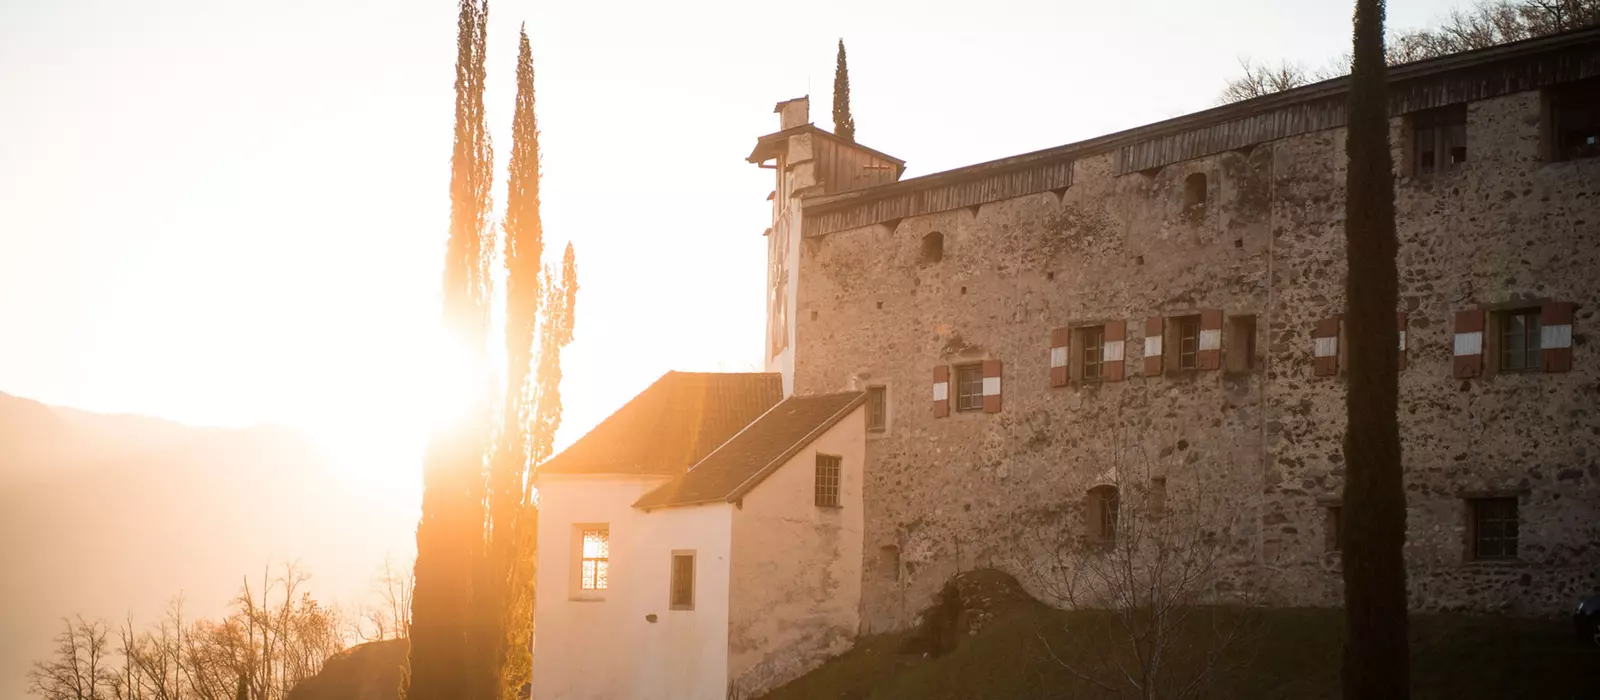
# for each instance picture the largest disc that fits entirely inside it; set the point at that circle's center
(1400, 318)
(1555, 336)
(1210, 355)
(991, 386)
(1111, 354)
(1325, 348)
(941, 391)
(1152, 346)
(1468, 344)
(1060, 340)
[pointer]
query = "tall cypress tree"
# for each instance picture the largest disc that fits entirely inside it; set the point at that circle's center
(844, 125)
(1376, 663)
(507, 599)
(450, 535)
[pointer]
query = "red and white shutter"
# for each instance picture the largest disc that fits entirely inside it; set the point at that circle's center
(991, 386)
(1210, 355)
(1400, 318)
(941, 391)
(1468, 344)
(1060, 340)
(1325, 348)
(1152, 346)
(1555, 336)
(1111, 354)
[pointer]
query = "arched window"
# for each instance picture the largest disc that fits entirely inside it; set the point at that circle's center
(1101, 514)
(1194, 194)
(933, 247)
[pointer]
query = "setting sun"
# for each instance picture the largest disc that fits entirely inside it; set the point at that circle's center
(496, 349)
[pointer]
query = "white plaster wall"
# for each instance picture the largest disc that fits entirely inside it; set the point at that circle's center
(606, 649)
(797, 566)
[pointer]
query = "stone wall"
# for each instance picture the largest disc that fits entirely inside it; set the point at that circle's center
(977, 489)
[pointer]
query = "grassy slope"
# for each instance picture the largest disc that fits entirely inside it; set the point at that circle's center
(1290, 653)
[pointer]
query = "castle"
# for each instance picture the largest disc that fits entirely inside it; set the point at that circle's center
(997, 336)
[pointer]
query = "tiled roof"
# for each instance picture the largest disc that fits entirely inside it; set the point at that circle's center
(741, 463)
(672, 424)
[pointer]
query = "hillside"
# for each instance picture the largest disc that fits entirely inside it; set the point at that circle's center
(111, 516)
(1283, 653)
(363, 672)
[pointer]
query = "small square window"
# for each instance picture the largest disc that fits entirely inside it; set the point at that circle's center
(1156, 499)
(877, 408)
(1102, 505)
(1241, 343)
(1439, 140)
(969, 387)
(1493, 528)
(1333, 529)
(1518, 339)
(1187, 332)
(682, 584)
(1091, 353)
(1573, 120)
(828, 472)
(595, 562)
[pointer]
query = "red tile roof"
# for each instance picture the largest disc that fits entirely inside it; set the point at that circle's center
(672, 424)
(749, 457)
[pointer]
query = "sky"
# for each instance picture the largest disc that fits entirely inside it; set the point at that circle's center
(230, 213)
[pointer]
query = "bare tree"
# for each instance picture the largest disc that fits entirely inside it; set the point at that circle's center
(1485, 24)
(390, 618)
(1149, 553)
(276, 637)
(81, 669)
(1261, 79)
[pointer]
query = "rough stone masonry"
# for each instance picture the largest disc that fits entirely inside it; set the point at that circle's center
(1212, 247)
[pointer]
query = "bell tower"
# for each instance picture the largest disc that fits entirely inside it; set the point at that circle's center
(807, 162)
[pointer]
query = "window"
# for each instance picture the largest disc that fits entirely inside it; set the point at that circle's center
(1573, 121)
(933, 247)
(1156, 501)
(969, 387)
(828, 480)
(682, 588)
(877, 408)
(596, 559)
(1194, 195)
(1519, 340)
(1187, 330)
(1439, 140)
(1102, 512)
(1091, 352)
(1333, 529)
(1493, 531)
(1241, 343)
(889, 558)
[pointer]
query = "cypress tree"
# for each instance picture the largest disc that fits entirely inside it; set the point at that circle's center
(450, 535)
(506, 601)
(844, 125)
(1376, 663)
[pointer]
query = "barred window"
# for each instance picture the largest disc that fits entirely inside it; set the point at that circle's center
(1519, 340)
(1494, 528)
(1439, 140)
(596, 560)
(828, 468)
(969, 387)
(682, 584)
(1091, 348)
(1188, 332)
(1102, 507)
(877, 408)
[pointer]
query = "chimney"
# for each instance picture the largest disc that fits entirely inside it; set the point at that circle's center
(793, 113)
